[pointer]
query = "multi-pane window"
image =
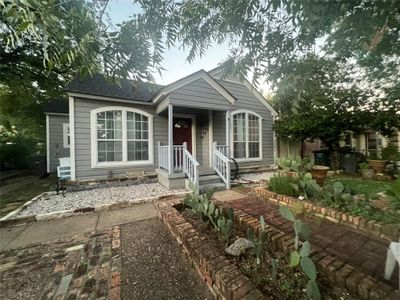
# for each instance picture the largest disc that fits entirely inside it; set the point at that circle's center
(121, 136)
(109, 136)
(66, 135)
(246, 135)
(138, 136)
(239, 135)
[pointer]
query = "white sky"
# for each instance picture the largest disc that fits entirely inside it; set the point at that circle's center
(174, 63)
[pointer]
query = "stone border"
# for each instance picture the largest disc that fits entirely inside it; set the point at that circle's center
(115, 180)
(337, 273)
(8, 220)
(222, 277)
(389, 232)
(114, 282)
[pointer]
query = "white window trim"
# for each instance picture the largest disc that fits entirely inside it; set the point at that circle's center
(247, 112)
(65, 135)
(124, 162)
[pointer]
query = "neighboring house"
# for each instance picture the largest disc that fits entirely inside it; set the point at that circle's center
(57, 133)
(187, 129)
(365, 143)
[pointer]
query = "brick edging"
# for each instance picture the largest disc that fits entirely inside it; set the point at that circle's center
(9, 220)
(389, 232)
(114, 283)
(222, 277)
(333, 270)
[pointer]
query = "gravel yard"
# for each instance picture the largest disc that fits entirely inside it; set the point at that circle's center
(96, 197)
(255, 177)
(153, 266)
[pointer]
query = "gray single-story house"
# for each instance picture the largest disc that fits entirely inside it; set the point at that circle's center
(185, 131)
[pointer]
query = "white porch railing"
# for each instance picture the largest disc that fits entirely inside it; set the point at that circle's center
(221, 164)
(178, 157)
(223, 149)
(163, 156)
(191, 167)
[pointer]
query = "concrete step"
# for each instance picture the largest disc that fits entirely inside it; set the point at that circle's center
(212, 186)
(209, 179)
(206, 172)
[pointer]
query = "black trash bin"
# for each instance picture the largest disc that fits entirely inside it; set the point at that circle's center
(321, 158)
(348, 161)
(38, 165)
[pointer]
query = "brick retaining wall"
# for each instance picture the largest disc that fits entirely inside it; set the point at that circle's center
(222, 277)
(390, 232)
(337, 273)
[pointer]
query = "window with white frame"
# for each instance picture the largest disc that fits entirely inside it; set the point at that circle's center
(121, 135)
(66, 135)
(246, 137)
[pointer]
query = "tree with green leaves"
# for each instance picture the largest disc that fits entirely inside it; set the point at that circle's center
(44, 44)
(296, 46)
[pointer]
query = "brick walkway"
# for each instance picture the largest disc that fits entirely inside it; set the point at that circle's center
(86, 266)
(367, 254)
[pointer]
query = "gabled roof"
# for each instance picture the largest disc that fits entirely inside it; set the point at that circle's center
(57, 106)
(218, 71)
(190, 78)
(98, 85)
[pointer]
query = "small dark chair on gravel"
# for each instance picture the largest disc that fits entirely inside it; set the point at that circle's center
(63, 174)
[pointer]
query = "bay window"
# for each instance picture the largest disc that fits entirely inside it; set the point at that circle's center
(246, 135)
(121, 136)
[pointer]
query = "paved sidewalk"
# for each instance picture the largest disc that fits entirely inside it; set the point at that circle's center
(367, 254)
(26, 234)
(91, 257)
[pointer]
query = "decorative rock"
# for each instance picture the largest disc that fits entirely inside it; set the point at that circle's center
(239, 247)
(49, 204)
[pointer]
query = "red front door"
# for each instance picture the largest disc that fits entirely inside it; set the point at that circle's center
(183, 132)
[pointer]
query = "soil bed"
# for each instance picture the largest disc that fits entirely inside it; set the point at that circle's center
(281, 282)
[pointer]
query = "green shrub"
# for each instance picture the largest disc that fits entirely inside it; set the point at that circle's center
(390, 152)
(283, 185)
(307, 186)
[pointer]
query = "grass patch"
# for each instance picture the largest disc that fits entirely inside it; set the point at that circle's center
(16, 191)
(371, 187)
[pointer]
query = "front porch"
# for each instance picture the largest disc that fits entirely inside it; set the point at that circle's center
(193, 154)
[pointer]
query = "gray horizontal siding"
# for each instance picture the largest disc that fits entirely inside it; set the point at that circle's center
(83, 169)
(56, 140)
(199, 94)
(247, 100)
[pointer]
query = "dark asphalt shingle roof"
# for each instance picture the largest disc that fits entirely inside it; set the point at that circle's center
(127, 89)
(59, 106)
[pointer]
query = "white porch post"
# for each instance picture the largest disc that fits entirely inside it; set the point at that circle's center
(228, 134)
(184, 166)
(170, 139)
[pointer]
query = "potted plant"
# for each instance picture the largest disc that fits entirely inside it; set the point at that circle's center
(319, 173)
(376, 162)
(366, 172)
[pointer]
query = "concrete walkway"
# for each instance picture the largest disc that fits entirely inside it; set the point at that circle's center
(26, 234)
(119, 254)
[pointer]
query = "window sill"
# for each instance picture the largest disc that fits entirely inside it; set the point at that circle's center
(122, 164)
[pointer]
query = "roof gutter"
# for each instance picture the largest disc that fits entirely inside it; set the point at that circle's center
(103, 98)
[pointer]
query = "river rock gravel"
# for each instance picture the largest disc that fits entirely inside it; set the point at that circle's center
(255, 177)
(96, 197)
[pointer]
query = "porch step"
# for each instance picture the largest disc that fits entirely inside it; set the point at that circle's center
(207, 179)
(212, 186)
(207, 172)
